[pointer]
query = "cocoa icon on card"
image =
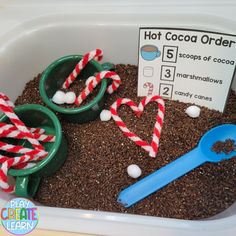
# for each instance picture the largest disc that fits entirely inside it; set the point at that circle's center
(150, 52)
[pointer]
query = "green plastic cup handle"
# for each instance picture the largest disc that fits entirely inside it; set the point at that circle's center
(27, 186)
(108, 66)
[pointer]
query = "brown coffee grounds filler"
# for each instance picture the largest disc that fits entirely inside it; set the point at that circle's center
(99, 153)
(226, 147)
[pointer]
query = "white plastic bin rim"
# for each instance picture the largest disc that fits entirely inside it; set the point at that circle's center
(27, 40)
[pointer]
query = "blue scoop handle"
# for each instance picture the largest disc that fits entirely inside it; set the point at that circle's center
(161, 177)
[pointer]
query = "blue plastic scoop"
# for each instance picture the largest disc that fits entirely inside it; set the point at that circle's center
(201, 154)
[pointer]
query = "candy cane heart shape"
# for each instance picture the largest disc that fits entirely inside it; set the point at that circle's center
(152, 148)
(116, 81)
(96, 54)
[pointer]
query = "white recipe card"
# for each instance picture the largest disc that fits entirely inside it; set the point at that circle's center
(186, 65)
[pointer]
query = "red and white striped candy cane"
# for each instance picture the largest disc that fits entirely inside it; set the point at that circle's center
(20, 149)
(20, 166)
(152, 148)
(37, 153)
(159, 121)
(19, 163)
(11, 162)
(4, 126)
(24, 166)
(24, 161)
(10, 131)
(8, 110)
(36, 130)
(96, 54)
(116, 81)
(7, 100)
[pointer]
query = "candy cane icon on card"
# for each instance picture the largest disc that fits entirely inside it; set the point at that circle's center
(150, 87)
(152, 148)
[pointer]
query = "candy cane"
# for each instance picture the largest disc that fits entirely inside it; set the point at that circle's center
(32, 130)
(159, 121)
(10, 131)
(7, 100)
(152, 148)
(36, 130)
(20, 166)
(16, 161)
(25, 165)
(20, 149)
(4, 126)
(6, 107)
(95, 81)
(18, 130)
(96, 54)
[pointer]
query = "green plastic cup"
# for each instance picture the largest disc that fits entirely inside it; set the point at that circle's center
(55, 75)
(27, 180)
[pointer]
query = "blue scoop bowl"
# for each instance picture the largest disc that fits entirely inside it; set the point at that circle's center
(198, 156)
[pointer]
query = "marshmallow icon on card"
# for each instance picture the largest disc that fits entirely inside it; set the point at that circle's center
(148, 71)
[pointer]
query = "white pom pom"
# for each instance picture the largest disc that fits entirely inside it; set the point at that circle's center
(105, 115)
(59, 97)
(134, 171)
(70, 97)
(89, 79)
(193, 111)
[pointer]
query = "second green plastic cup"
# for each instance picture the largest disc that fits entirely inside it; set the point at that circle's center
(55, 75)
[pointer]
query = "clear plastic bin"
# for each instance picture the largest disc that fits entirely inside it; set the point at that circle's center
(33, 34)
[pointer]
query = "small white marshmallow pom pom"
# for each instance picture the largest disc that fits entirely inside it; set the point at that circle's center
(134, 171)
(105, 115)
(193, 111)
(89, 79)
(59, 97)
(70, 97)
